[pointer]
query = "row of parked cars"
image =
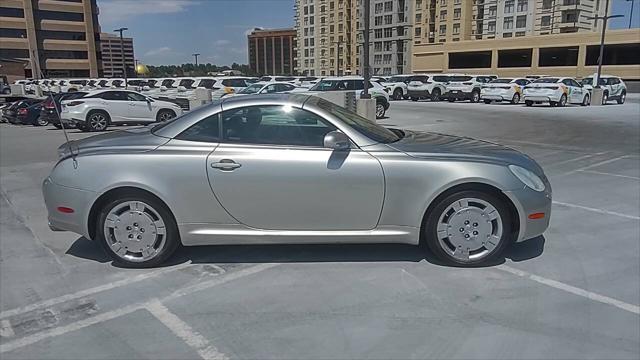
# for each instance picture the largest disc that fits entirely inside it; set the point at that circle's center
(555, 91)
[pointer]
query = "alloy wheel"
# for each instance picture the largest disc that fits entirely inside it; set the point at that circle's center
(98, 122)
(379, 111)
(470, 229)
(135, 231)
(166, 115)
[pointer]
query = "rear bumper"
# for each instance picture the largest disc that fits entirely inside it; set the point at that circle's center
(418, 93)
(460, 95)
(537, 98)
(493, 97)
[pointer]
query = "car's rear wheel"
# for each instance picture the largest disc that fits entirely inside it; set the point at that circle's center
(137, 231)
(413, 98)
(97, 121)
(515, 99)
(468, 227)
(563, 101)
(57, 125)
(165, 114)
(451, 99)
(40, 121)
(586, 101)
(397, 94)
(380, 110)
(475, 96)
(622, 98)
(487, 101)
(435, 94)
(605, 98)
(528, 103)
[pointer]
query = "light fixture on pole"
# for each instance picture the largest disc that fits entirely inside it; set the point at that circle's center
(124, 64)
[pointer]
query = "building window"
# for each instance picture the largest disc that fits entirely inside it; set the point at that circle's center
(378, 8)
(493, 10)
(418, 18)
(521, 21)
(377, 33)
(388, 6)
(558, 56)
(491, 28)
(514, 58)
(457, 13)
(509, 6)
(456, 29)
(546, 4)
(570, 16)
(522, 5)
(443, 30)
(469, 60)
(507, 35)
(508, 23)
(418, 32)
(377, 21)
(377, 46)
(618, 54)
(388, 32)
(11, 12)
(388, 19)
(546, 21)
(443, 14)
(520, 33)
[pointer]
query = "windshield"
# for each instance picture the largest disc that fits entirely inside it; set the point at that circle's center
(367, 128)
(187, 83)
(546, 81)
(589, 81)
(501, 81)
(168, 83)
(207, 83)
(252, 89)
(460, 78)
(395, 79)
(265, 78)
(440, 78)
(328, 85)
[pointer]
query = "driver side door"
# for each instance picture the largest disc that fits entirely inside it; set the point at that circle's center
(139, 108)
(271, 171)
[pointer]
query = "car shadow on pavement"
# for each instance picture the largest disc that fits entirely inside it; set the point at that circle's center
(339, 253)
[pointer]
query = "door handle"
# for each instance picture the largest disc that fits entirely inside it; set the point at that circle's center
(226, 165)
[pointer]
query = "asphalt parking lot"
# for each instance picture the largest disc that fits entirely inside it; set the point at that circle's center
(573, 293)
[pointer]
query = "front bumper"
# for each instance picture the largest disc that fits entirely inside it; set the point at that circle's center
(527, 202)
(80, 201)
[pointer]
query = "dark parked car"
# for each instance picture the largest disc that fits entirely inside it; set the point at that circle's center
(49, 106)
(30, 115)
(11, 113)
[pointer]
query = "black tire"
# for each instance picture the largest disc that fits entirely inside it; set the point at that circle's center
(605, 97)
(487, 101)
(172, 235)
(40, 121)
(451, 99)
(622, 98)
(57, 125)
(586, 101)
(528, 103)
(563, 101)
(475, 96)
(165, 115)
(380, 110)
(430, 237)
(413, 98)
(6, 91)
(553, 103)
(397, 94)
(516, 99)
(97, 120)
(436, 94)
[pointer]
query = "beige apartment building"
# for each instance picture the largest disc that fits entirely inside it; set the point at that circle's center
(57, 38)
(114, 51)
(327, 37)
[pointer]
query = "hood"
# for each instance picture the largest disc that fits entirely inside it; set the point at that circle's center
(434, 145)
(134, 140)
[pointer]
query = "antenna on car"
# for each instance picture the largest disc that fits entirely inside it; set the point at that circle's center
(64, 129)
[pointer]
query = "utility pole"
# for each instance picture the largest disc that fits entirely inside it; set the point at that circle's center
(124, 64)
(605, 20)
(631, 14)
(365, 50)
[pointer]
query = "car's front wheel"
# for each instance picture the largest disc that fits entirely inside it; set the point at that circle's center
(97, 121)
(380, 110)
(468, 227)
(622, 98)
(586, 101)
(165, 114)
(475, 96)
(435, 94)
(40, 121)
(137, 231)
(397, 94)
(563, 101)
(515, 99)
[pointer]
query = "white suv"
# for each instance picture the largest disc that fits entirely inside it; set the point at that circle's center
(557, 91)
(504, 89)
(427, 86)
(466, 87)
(396, 86)
(101, 108)
(613, 88)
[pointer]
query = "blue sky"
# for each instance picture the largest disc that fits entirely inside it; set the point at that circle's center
(169, 31)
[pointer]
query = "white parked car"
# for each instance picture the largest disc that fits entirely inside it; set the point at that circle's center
(556, 91)
(306, 81)
(279, 78)
(504, 89)
(356, 84)
(266, 88)
(613, 87)
(396, 86)
(101, 108)
(466, 87)
(427, 86)
(72, 85)
(229, 85)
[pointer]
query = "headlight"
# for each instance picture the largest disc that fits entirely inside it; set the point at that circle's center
(530, 179)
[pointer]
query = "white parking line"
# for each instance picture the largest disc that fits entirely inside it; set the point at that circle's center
(598, 164)
(182, 330)
(600, 211)
(635, 309)
(93, 290)
(610, 174)
(57, 331)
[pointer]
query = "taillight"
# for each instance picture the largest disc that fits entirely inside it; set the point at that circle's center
(228, 90)
(74, 103)
(22, 111)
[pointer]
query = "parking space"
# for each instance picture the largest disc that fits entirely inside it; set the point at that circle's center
(573, 293)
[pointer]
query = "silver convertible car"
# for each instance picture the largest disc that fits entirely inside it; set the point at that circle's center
(274, 169)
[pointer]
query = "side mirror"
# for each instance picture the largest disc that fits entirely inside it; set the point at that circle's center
(337, 141)
(149, 100)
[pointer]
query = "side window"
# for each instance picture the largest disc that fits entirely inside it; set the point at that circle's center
(567, 82)
(135, 97)
(274, 125)
(575, 83)
(285, 87)
(356, 85)
(114, 95)
(270, 89)
(206, 130)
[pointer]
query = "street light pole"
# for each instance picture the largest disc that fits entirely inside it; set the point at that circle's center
(631, 13)
(124, 64)
(605, 20)
(367, 28)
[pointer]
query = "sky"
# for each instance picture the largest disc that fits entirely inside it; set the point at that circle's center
(170, 31)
